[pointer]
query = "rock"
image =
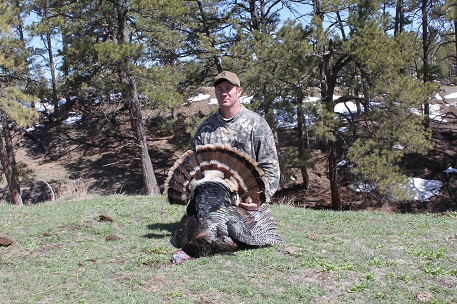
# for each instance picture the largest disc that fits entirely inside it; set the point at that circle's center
(291, 250)
(113, 237)
(105, 218)
(5, 242)
(311, 236)
(424, 297)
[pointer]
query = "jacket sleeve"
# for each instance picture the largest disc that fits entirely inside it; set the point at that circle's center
(267, 157)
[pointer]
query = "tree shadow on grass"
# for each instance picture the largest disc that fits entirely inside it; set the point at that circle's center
(166, 230)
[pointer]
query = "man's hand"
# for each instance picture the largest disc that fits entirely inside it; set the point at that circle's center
(249, 206)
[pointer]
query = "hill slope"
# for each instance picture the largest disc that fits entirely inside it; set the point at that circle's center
(97, 155)
(116, 249)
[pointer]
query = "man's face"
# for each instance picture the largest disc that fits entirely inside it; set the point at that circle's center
(227, 94)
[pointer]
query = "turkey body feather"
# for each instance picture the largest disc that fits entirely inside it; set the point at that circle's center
(212, 181)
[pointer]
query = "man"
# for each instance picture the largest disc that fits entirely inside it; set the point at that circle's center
(241, 128)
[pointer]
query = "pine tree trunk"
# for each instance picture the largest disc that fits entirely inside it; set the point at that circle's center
(52, 68)
(150, 186)
(328, 75)
(399, 16)
(333, 177)
(8, 142)
(149, 180)
(13, 184)
(455, 47)
(301, 144)
(425, 48)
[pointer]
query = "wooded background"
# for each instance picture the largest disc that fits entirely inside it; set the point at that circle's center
(386, 56)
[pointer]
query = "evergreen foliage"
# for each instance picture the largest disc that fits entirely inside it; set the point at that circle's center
(388, 129)
(13, 78)
(157, 53)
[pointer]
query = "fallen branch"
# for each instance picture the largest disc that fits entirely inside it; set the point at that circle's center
(53, 195)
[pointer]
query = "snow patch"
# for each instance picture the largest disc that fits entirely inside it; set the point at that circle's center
(246, 99)
(452, 95)
(72, 119)
(361, 187)
(346, 107)
(212, 101)
(421, 189)
(44, 107)
(199, 97)
(450, 170)
(424, 189)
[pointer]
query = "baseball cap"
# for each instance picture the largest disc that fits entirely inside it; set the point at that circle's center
(227, 76)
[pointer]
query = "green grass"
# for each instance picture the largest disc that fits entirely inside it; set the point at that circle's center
(60, 255)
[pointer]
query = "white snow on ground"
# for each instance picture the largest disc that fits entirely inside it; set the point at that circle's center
(343, 129)
(199, 97)
(422, 189)
(286, 119)
(246, 99)
(435, 113)
(452, 95)
(365, 188)
(450, 170)
(343, 107)
(37, 126)
(72, 119)
(44, 107)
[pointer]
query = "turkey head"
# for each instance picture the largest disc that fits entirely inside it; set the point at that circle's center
(212, 181)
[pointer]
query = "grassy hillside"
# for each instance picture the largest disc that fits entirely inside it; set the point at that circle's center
(64, 253)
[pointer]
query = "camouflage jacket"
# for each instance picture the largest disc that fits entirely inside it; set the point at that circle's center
(248, 132)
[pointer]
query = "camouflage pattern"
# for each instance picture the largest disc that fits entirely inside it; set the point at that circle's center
(248, 132)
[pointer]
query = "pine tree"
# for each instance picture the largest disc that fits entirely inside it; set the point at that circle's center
(48, 29)
(448, 43)
(294, 77)
(128, 45)
(13, 75)
(388, 130)
(350, 61)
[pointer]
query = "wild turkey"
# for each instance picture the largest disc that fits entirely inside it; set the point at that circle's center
(212, 181)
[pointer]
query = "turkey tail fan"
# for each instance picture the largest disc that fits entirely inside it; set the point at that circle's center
(209, 153)
(234, 164)
(184, 170)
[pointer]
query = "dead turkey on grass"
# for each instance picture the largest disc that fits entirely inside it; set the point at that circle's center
(212, 181)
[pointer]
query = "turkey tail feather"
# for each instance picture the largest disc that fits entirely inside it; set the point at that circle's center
(233, 163)
(261, 228)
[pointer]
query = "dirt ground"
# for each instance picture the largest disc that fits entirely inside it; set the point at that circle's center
(93, 157)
